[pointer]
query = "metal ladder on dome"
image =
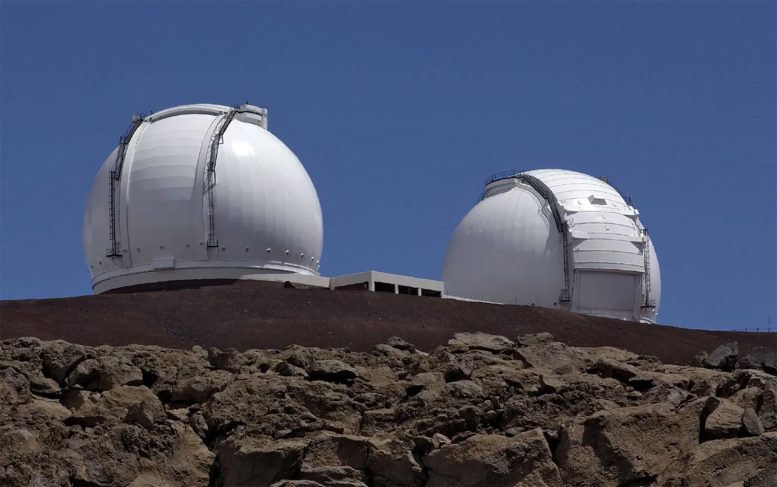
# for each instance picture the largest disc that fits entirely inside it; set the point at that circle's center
(646, 255)
(114, 177)
(210, 179)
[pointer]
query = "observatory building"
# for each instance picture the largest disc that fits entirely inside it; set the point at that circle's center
(557, 239)
(200, 192)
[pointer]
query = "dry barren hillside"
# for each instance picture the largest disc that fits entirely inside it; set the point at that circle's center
(266, 315)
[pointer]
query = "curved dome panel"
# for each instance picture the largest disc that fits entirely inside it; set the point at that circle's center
(256, 212)
(558, 239)
(504, 236)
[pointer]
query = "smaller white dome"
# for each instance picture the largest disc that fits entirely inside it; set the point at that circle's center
(557, 239)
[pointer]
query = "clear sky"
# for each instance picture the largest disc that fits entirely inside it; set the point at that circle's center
(399, 110)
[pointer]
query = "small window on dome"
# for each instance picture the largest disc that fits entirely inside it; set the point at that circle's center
(597, 201)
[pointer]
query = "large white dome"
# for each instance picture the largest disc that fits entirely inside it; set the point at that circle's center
(557, 239)
(200, 192)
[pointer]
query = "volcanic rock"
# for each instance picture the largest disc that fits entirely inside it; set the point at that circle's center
(732, 461)
(724, 419)
(60, 358)
(253, 461)
(332, 371)
(751, 424)
(200, 387)
(759, 358)
(495, 460)
(723, 358)
(484, 410)
(105, 373)
(400, 344)
(767, 409)
(628, 445)
(462, 342)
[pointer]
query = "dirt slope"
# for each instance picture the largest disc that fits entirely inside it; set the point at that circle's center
(266, 315)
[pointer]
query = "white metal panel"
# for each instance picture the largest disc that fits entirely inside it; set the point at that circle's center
(571, 186)
(506, 250)
(607, 254)
(610, 294)
(163, 190)
(265, 200)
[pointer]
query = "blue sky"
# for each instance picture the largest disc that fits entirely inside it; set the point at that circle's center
(399, 110)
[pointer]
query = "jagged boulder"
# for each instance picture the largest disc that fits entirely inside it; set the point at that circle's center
(244, 399)
(258, 461)
(331, 371)
(462, 342)
(14, 387)
(231, 360)
(400, 344)
(541, 352)
(723, 419)
(105, 373)
(494, 460)
(334, 475)
(737, 461)
(123, 403)
(426, 386)
(759, 358)
(607, 367)
(767, 409)
(288, 370)
(629, 445)
(751, 423)
(723, 358)
(387, 462)
(60, 358)
(200, 387)
(464, 389)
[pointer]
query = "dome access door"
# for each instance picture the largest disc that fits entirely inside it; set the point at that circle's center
(610, 294)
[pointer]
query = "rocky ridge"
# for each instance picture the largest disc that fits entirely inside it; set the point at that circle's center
(481, 410)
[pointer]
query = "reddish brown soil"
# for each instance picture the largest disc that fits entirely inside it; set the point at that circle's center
(266, 315)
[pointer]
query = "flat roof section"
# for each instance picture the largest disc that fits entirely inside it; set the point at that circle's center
(384, 282)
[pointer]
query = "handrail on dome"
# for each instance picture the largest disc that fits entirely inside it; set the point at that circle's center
(537, 184)
(256, 115)
(501, 175)
(114, 177)
(201, 109)
(210, 180)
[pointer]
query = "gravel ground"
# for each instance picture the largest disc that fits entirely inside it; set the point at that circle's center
(246, 315)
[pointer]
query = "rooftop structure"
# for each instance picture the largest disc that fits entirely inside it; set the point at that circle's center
(384, 282)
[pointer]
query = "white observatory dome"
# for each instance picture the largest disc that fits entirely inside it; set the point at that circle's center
(557, 239)
(200, 192)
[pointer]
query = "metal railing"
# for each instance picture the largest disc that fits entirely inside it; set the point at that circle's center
(113, 182)
(501, 175)
(757, 329)
(210, 176)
